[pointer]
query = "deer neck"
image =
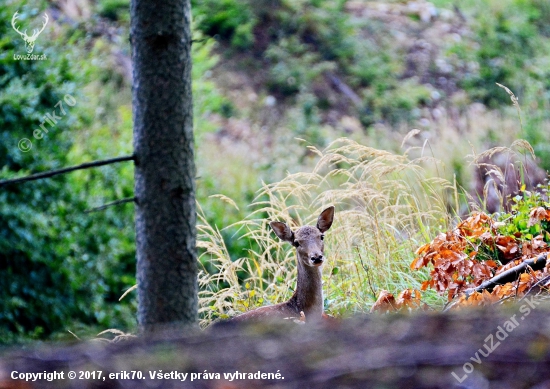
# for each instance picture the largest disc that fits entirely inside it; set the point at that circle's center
(308, 296)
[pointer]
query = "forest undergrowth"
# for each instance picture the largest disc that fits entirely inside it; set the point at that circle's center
(397, 229)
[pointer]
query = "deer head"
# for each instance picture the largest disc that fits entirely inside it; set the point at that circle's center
(307, 299)
(29, 40)
(308, 240)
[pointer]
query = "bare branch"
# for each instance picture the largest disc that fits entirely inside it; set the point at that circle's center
(51, 173)
(113, 203)
(535, 287)
(509, 275)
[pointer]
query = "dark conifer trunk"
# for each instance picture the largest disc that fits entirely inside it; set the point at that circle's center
(165, 170)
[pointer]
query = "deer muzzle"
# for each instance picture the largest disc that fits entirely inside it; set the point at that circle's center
(317, 260)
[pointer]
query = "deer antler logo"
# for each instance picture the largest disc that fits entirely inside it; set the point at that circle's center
(29, 40)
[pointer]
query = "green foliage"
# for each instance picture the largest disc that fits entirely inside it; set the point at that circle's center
(519, 225)
(294, 66)
(231, 20)
(300, 42)
(206, 97)
(114, 10)
(519, 222)
(505, 43)
(59, 267)
(396, 102)
(33, 279)
(505, 46)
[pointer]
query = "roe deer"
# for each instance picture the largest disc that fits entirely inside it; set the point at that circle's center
(308, 297)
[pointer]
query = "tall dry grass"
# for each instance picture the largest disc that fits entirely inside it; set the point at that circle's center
(386, 206)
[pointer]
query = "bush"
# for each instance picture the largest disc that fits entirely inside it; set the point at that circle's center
(58, 266)
(231, 20)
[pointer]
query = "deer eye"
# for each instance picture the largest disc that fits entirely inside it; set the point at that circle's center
(296, 244)
(322, 237)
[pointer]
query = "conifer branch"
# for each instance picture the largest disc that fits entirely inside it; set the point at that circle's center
(51, 173)
(113, 203)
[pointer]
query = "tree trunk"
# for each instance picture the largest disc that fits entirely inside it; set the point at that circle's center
(164, 164)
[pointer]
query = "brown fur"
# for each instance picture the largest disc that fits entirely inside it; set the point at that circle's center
(308, 297)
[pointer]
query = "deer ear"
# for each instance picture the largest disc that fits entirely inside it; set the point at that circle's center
(325, 219)
(283, 231)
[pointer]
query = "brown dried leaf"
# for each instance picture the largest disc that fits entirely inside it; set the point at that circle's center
(508, 246)
(409, 298)
(384, 303)
(538, 214)
(489, 298)
(423, 249)
(539, 243)
(503, 291)
(419, 262)
(525, 282)
(476, 225)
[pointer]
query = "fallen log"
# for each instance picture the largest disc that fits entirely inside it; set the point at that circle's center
(478, 348)
(509, 275)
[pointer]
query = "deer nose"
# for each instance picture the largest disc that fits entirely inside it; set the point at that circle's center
(317, 259)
